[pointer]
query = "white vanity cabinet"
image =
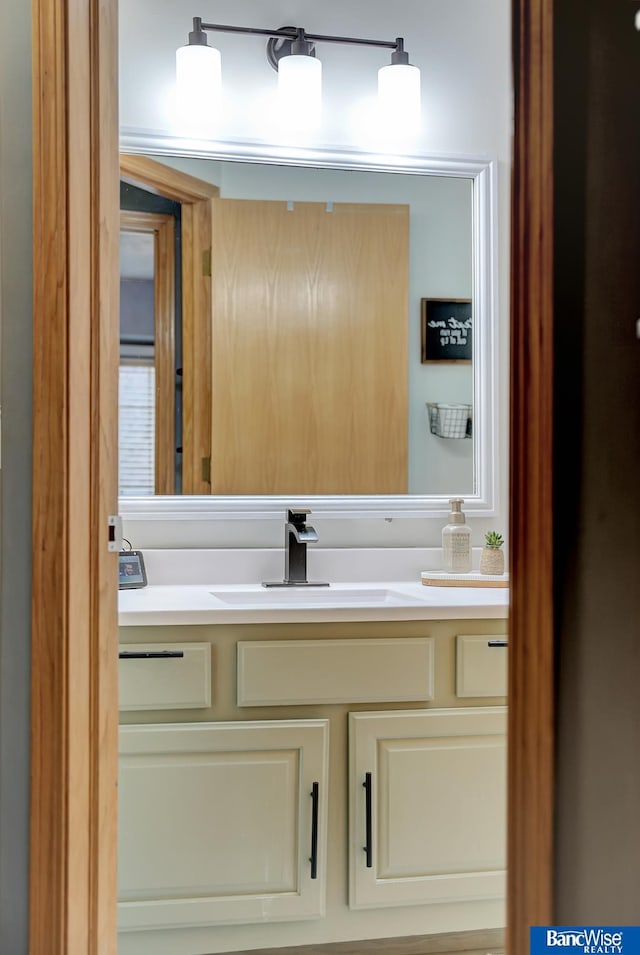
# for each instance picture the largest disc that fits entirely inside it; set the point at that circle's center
(222, 823)
(216, 813)
(427, 806)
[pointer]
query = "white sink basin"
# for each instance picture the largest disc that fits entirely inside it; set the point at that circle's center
(311, 596)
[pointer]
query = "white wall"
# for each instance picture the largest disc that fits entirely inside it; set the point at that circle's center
(463, 49)
(461, 46)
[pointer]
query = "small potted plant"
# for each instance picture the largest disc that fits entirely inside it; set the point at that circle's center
(492, 557)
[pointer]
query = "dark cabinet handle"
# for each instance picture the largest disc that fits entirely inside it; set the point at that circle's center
(150, 655)
(313, 859)
(368, 847)
(497, 643)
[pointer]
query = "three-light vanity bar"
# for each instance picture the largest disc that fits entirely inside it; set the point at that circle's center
(291, 52)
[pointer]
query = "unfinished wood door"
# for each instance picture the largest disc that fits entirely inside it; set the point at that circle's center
(309, 346)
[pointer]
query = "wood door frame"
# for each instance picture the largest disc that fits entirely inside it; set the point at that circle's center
(74, 735)
(195, 197)
(161, 227)
(532, 605)
(74, 690)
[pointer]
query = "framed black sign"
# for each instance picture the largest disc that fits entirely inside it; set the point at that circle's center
(446, 330)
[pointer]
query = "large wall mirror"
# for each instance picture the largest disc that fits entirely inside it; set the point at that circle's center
(314, 327)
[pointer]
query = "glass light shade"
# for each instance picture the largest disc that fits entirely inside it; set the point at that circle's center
(300, 90)
(399, 94)
(198, 87)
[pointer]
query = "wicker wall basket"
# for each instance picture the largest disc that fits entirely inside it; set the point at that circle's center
(449, 420)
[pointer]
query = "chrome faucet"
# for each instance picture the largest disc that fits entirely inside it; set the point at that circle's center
(297, 534)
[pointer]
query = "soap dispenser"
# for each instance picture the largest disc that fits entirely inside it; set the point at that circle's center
(456, 541)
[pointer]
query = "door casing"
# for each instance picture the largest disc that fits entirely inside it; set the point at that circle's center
(74, 610)
(195, 197)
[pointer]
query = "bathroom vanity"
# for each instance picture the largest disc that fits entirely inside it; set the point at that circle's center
(309, 769)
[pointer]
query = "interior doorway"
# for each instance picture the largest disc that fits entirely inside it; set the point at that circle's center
(74, 775)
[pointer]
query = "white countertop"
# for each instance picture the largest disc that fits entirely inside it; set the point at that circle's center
(175, 604)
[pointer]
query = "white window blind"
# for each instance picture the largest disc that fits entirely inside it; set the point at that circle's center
(136, 420)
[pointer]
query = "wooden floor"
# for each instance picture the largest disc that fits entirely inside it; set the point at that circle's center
(486, 942)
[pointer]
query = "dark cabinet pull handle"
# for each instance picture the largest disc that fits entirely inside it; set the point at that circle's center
(313, 859)
(150, 655)
(497, 643)
(368, 847)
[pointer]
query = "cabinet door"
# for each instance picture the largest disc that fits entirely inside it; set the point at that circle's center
(222, 823)
(427, 806)
(481, 665)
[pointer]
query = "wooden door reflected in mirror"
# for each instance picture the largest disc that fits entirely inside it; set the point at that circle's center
(309, 377)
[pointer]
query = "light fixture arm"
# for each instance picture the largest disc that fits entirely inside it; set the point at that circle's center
(197, 36)
(399, 55)
(301, 41)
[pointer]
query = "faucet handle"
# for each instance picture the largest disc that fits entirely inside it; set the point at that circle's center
(299, 516)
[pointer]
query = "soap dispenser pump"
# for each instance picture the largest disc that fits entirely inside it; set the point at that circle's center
(456, 540)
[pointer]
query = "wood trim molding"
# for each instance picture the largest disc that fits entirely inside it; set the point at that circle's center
(196, 346)
(196, 197)
(133, 220)
(74, 634)
(531, 627)
(165, 324)
(164, 180)
(162, 228)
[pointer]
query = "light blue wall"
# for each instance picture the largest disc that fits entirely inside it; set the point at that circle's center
(15, 493)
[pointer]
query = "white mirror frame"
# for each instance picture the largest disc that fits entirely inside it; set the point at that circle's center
(482, 503)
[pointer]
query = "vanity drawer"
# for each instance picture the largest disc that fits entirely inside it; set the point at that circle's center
(481, 669)
(277, 672)
(166, 681)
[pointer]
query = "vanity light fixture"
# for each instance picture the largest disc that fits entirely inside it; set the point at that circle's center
(291, 52)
